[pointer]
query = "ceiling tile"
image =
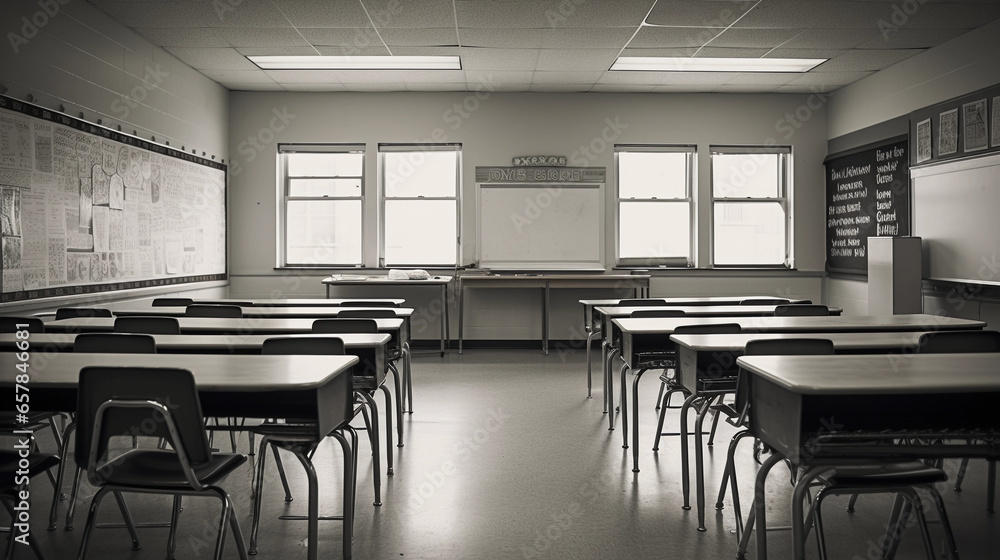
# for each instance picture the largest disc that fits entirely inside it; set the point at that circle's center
(427, 51)
(632, 78)
(442, 86)
(247, 13)
(160, 14)
(252, 86)
(303, 76)
(512, 86)
(828, 78)
(364, 86)
(540, 15)
(323, 13)
(502, 38)
(669, 52)
(280, 51)
(262, 37)
(912, 38)
(696, 14)
(561, 88)
(744, 88)
(754, 38)
(490, 77)
(411, 13)
(829, 13)
(430, 76)
(762, 78)
(576, 60)
(831, 38)
(730, 52)
(499, 59)
(424, 37)
(359, 37)
(566, 77)
(316, 87)
(183, 36)
(586, 38)
(860, 61)
(659, 37)
(804, 53)
(944, 15)
(212, 59)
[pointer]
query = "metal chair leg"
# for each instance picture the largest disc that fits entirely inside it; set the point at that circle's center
(399, 405)
(376, 464)
(129, 523)
(388, 430)
(281, 472)
(661, 415)
(91, 521)
(350, 487)
(172, 536)
(258, 494)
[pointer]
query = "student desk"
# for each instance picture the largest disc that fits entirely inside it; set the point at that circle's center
(793, 398)
(702, 358)
(259, 312)
(638, 283)
(317, 388)
(272, 302)
(439, 281)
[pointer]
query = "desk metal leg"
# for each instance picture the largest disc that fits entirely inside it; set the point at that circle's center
(759, 510)
(590, 339)
(461, 313)
(545, 319)
(699, 460)
(609, 390)
(444, 319)
(685, 473)
(635, 419)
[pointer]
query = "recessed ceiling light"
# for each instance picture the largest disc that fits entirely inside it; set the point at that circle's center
(317, 62)
(687, 64)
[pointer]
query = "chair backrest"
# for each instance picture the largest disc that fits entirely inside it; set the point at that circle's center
(764, 301)
(657, 313)
(114, 343)
(172, 302)
(73, 312)
(717, 328)
(369, 303)
(148, 325)
(211, 310)
(946, 342)
(172, 387)
(778, 347)
(32, 324)
(640, 302)
(801, 310)
(325, 345)
(343, 326)
(367, 314)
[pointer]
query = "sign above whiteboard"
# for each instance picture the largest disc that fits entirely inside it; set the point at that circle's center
(537, 161)
(540, 175)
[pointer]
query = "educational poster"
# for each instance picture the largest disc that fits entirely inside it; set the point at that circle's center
(85, 209)
(974, 125)
(995, 122)
(948, 133)
(924, 140)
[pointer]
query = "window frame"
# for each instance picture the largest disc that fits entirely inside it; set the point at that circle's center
(691, 153)
(284, 181)
(784, 198)
(384, 148)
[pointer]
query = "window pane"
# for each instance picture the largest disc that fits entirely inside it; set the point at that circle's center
(745, 175)
(749, 233)
(421, 232)
(325, 165)
(652, 175)
(324, 187)
(654, 230)
(417, 173)
(323, 232)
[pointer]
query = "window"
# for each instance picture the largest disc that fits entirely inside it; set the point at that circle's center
(750, 206)
(321, 197)
(419, 218)
(654, 205)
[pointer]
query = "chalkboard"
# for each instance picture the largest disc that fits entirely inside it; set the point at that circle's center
(541, 225)
(867, 195)
(87, 209)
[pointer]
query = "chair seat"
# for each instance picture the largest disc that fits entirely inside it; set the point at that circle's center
(906, 473)
(155, 468)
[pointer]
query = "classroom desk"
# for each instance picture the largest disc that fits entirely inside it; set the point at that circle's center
(297, 302)
(262, 312)
(440, 281)
(317, 388)
(645, 335)
(704, 358)
(793, 398)
(638, 283)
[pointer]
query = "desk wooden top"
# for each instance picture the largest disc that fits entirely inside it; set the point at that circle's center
(849, 323)
(287, 302)
(351, 279)
(878, 374)
(841, 340)
(528, 277)
(693, 300)
(212, 372)
(299, 312)
(174, 342)
(195, 325)
(699, 310)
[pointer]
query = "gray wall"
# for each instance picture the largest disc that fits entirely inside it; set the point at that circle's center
(80, 58)
(963, 65)
(498, 126)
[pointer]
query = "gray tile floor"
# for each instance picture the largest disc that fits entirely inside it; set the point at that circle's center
(505, 457)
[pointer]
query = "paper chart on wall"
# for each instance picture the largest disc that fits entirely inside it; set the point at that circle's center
(948, 133)
(974, 126)
(995, 122)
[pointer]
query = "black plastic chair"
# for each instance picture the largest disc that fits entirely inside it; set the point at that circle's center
(367, 314)
(764, 301)
(369, 303)
(656, 313)
(172, 302)
(283, 435)
(948, 342)
(217, 311)
(640, 302)
(74, 312)
(801, 310)
(10, 470)
(343, 326)
(10, 324)
(164, 403)
(114, 343)
(147, 325)
(400, 349)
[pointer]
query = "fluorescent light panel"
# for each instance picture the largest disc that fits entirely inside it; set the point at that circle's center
(687, 64)
(317, 62)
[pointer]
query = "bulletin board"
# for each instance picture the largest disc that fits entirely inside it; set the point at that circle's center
(86, 209)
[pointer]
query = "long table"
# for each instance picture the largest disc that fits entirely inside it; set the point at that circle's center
(793, 398)
(644, 335)
(265, 312)
(439, 281)
(314, 387)
(637, 283)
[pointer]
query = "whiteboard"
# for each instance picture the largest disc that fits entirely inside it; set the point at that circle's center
(540, 226)
(956, 210)
(86, 209)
